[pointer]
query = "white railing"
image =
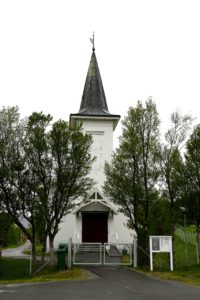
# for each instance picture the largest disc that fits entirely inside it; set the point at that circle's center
(87, 253)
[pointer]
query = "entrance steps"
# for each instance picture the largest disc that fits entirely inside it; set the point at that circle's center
(113, 251)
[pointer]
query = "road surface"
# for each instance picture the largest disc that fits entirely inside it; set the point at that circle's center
(110, 283)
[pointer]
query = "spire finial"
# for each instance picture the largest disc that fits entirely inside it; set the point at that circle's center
(92, 41)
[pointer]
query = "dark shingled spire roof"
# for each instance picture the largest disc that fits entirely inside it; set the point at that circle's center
(93, 100)
(93, 103)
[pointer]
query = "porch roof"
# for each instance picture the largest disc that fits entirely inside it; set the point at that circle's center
(96, 201)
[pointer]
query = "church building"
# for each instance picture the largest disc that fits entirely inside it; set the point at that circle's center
(96, 220)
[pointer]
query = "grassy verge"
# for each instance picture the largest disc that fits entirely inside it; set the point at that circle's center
(38, 249)
(13, 246)
(189, 275)
(17, 271)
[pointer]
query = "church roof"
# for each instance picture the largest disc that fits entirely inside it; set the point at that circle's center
(93, 99)
(93, 103)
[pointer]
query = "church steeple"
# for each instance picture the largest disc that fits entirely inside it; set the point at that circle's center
(93, 99)
(93, 104)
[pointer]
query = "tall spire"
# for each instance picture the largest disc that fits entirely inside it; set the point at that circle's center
(93, 99)
(93, 103)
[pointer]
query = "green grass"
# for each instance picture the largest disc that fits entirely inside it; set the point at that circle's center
(161, 260)
(189, 275)
(17, 271)
(38, 249)
(180, 253)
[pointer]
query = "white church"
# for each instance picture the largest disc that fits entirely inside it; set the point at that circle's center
(96, 220)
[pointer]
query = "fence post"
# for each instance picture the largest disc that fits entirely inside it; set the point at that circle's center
(197, 250)
(69, 255)
(135, 253)
(31, 261)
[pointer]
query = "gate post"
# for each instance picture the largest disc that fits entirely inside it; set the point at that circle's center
(135, 253)
(69, 255)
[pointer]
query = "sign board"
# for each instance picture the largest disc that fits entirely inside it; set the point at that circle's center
(160, 244)
(165, 244)
(155, 244)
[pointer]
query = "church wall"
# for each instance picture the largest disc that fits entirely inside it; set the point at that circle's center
(67, 230)
(118, 231)
(102, 134)
(71, 226)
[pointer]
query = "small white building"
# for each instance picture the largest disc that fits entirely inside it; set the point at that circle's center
(96, 220)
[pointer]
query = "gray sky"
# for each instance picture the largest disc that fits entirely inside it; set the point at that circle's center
(144, 48)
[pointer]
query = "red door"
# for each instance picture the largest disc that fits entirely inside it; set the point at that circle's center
(94, 227)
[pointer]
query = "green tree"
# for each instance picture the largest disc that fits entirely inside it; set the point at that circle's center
(40, 167)
(13, 236)
(172, 165)
(192, 171)
(43, 169)
(60, 160)
(159, 216)
(132, 176)
(72, 164)
(16, 188)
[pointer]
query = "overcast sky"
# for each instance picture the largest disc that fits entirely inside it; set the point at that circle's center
(143, 47)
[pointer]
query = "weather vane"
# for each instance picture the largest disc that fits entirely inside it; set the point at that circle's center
(92, 41)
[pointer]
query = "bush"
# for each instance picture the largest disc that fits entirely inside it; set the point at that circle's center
(13, 236)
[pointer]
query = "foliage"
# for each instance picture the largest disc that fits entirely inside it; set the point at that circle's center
(13, 236)
(172, 166)
(159, 217)
(43, 169)
(60, 161)
(16, 187)
(192, 173)
(133, 174)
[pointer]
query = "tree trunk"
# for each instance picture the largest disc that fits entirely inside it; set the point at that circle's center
(33, 251)
(44, 249)
(0, 260)
(51, 248)
(0, 249)
(143, 248)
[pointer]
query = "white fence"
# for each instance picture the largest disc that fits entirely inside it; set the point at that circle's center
(106, 254)
(190, 236)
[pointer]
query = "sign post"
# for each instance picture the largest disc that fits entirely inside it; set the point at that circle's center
(160, 244)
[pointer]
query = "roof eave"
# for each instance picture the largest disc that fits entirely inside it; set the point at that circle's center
(79, 117)
(78, 209)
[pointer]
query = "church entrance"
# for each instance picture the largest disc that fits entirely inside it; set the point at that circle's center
(95, 227)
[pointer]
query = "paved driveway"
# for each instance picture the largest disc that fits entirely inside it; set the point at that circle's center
(110, 284)
(17, 252)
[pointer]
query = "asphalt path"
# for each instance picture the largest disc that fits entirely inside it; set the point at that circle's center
(17, 252)
(109, 283)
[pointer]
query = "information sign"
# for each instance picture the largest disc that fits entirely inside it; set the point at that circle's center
(160, 244)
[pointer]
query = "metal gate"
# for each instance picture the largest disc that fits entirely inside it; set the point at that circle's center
(106, 254)
(87, 254)
(118, 254)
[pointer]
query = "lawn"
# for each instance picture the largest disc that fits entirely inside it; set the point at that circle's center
(189, 275)
(187, 271)
(17, 270)
(38, 250)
